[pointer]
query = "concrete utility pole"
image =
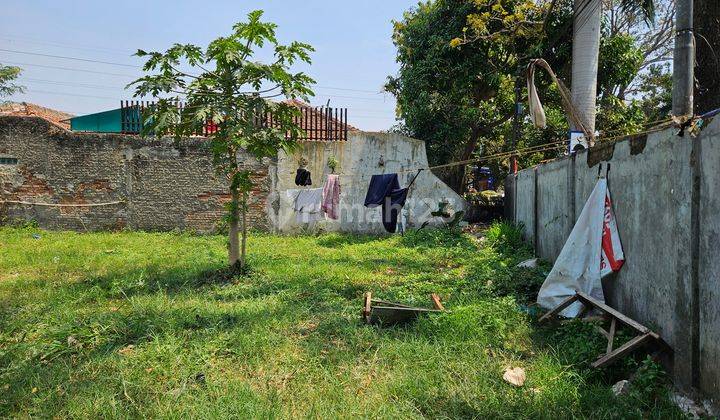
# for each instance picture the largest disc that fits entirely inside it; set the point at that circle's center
(587, 18)
(683, 60)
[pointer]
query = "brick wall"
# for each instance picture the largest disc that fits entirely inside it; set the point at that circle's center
(164, 184)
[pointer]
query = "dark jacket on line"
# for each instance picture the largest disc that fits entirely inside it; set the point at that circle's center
(385, 190)
(302, 178)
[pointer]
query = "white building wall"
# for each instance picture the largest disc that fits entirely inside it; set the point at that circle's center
(359, 158)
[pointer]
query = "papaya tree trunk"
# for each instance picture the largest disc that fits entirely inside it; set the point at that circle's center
(234, 249)
(244, 209)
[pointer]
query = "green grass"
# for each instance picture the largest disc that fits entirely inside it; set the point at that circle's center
(149, 325)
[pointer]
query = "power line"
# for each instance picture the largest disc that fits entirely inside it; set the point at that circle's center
(131, 76)
(64, 57)
(108, 87)
(70, 94)
(354, 97)
(13, 39)
(63, 83)
(68, 69)
(87, 60)
(46, 92)
(352, 90)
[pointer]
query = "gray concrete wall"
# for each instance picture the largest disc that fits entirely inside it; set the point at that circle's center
(708, 263)
(553, 208)
(670, 229)
(359, 159)
(525, 203)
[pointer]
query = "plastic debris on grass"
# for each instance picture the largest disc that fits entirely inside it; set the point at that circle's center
(515, 376)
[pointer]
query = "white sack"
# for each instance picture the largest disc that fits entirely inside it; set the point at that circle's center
(592, 251)
(537, 113)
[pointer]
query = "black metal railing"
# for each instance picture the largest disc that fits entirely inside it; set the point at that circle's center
(318, 123)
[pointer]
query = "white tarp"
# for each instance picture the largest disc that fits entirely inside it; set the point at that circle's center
(592, 251)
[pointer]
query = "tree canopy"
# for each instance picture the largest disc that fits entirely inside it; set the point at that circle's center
(461, 61)
(8, 74)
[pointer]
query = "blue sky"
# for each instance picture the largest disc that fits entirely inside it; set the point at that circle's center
(354, 51)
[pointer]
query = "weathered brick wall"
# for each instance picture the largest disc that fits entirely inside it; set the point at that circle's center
(163, 184)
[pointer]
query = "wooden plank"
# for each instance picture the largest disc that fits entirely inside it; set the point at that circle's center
(612, 312)
(436, 302)
(390, 315)
(611, 335)
(367, 306)
(387, 303)
(564, 304)
(621, 351)
(603, 332)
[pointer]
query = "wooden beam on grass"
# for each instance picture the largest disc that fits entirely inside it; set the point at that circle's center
(436, 302)
(622, 351)
(611, 335)
(615, 314)
(564, 304)
(367, 306)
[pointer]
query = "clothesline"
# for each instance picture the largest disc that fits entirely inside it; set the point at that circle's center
(517, 152)
(652, 124)
(663, 124)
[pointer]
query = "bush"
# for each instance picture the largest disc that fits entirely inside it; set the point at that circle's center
(507, 239)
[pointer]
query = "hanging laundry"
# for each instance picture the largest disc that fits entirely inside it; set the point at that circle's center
(308, 205)
(331, 196)
(385, 190)
(302, 177)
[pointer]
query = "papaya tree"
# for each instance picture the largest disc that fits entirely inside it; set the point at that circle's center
(8, 74)
(225, 88)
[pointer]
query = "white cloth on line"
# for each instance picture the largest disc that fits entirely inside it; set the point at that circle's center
(308, 205)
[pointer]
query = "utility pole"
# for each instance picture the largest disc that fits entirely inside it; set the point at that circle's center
(683, 60)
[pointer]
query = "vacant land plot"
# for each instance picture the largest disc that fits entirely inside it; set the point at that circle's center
(148, 324)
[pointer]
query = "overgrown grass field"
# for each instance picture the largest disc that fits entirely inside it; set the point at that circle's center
(128, 325)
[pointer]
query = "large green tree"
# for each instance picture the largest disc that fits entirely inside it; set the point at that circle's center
(458, 63)
(224, 85)
(461, 61)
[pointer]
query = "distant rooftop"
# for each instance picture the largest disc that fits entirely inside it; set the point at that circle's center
(56, 117)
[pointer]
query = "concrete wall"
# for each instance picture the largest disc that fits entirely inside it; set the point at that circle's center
(667, 206)
(166, 184)
(359, 159)
(708, 288)
(163, 184)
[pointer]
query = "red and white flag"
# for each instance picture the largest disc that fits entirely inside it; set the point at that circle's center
(612, 257)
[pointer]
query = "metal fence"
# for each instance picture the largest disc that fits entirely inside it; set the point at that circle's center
(317, 123)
